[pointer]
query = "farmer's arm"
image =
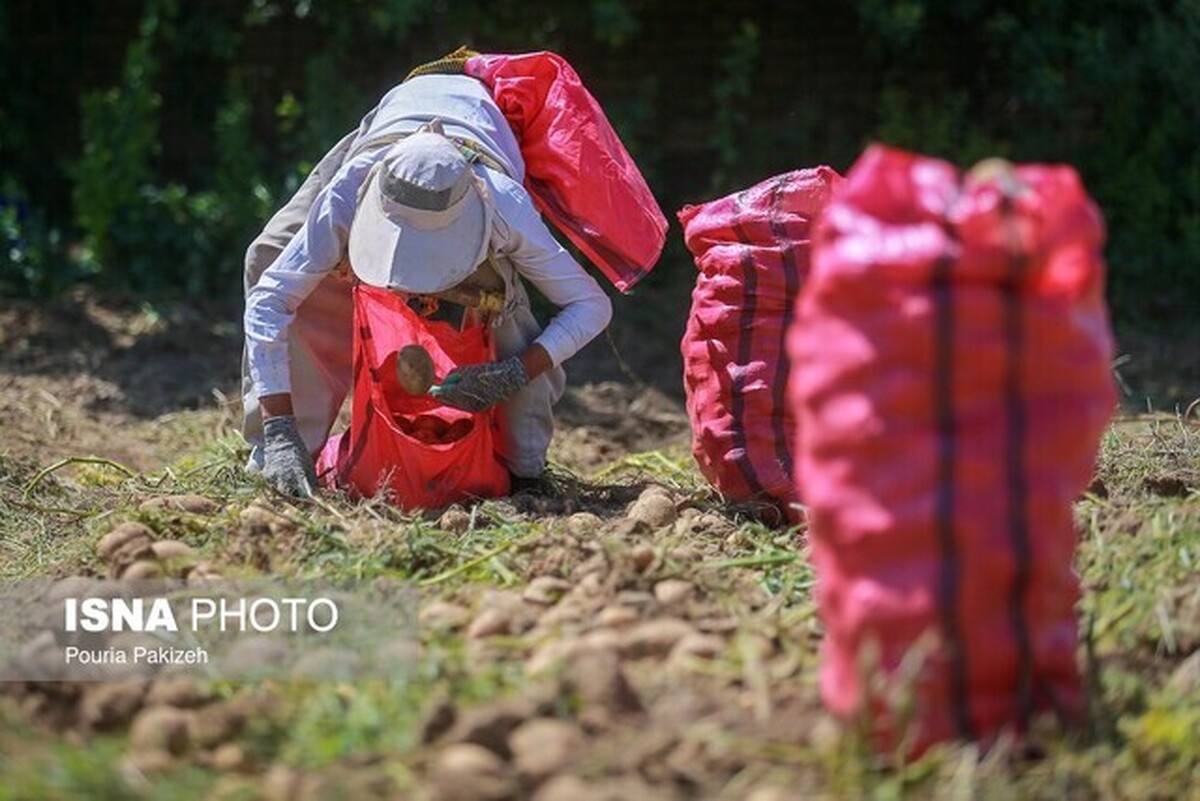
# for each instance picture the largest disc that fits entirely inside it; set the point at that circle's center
(535, 360)
(584, 309)
(271, 304)
(277, 404)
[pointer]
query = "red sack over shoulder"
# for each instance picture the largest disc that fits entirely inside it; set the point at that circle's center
(576, 168)
(752, 251)
(951, 378)
(426, 454)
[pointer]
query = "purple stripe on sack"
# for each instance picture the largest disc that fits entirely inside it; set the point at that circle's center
(791, 279)
(1018, 517)
(737, 402)
(943, 392)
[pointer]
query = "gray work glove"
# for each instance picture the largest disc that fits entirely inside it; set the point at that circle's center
(287, 465)
(476, 387)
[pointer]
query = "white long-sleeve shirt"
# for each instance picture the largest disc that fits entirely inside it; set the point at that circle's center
(518, 232)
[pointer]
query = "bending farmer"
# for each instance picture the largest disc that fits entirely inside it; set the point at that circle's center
(424, 199)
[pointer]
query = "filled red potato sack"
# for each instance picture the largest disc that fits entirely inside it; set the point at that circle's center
(577, 169)
(951, 381)
(751, 250)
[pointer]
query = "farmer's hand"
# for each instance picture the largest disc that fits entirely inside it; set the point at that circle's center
(476, 387)
(287, 465)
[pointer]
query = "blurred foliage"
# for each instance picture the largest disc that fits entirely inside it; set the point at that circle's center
(32, 258)
(146, 159)
(1109, 87)
(730, 93)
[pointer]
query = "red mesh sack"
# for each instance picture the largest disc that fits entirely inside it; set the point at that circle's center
(951, 378)
(751, 251)
(426, 454)
(577, 170)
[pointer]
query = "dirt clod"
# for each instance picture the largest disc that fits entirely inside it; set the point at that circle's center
(468, 772)
(172, 550)
(642, 556)
(161, 728)
(220, 722)
(254, 655)
(455, 520)
(71, 587)
(654, 508)
(489, 623)
(443, 614)
(142, 570)
(490, 725)
(596, 677)
(698, 646)
(654, 638)
(192, 504)
(673, 591)
(124, 537)
(400, 653)
(283, 783)
(109, 706)
(564, 788)
(546, 590)
(42, 656)
(179, 691)
(1166, 486)
(569, 611)
(1185, 680)
(438, 719)
(228, 757)
(592, 584)
(548, 657)
(502, 612)
(617, 617)
(201, 575)
(584, 525)
(543, 747)
(257, 520)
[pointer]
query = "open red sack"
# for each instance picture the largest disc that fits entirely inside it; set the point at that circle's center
(426, 454)
(576, 168)
(751, 250)
(951, 378)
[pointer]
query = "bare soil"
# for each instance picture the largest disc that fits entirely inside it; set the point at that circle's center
(89, 375)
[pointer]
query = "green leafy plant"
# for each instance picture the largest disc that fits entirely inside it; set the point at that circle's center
(120, 135)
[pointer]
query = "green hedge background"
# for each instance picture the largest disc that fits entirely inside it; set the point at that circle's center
(144, 142)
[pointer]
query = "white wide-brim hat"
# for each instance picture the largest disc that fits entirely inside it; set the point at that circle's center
(422, 223)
